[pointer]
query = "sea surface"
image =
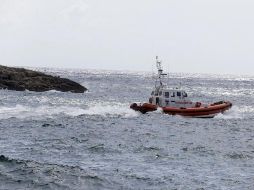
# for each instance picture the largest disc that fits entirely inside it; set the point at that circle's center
(56, 140)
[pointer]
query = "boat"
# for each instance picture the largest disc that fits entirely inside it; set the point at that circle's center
(175, 101)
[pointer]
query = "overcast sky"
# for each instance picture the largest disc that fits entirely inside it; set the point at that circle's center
(207, 36)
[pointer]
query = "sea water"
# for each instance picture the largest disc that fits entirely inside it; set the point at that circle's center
(56, 140)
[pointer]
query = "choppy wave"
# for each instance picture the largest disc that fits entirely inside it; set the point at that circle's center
(245, 109)
(29, 174)
(103, 109)
(237, 112)
(110, 109)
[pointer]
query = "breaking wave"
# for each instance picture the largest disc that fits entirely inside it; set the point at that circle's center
(109, 109)
(236, 112)
(102, 109)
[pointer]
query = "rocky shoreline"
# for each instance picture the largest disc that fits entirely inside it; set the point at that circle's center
(21, 79)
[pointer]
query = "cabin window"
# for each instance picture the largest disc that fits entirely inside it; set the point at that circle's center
(160, 93)
(185, 95)
(157, 100)
(179, 94)
(166, 94)
(167, 102)
(173, 94)
(152, 93)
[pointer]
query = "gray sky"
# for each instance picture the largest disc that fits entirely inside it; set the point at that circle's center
(208, 36)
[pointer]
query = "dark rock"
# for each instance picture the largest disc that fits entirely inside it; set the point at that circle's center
(22, 79)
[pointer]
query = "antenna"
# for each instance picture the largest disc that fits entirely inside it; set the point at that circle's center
(159, 67)
(160, 72)
(168, 73)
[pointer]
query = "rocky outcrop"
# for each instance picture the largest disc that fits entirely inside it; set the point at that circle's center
(23, 79)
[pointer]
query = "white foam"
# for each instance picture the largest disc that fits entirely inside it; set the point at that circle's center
(110, 109)
(230, 115)
(159, 110)
(236, 112)
(245, 109)
(102, 109)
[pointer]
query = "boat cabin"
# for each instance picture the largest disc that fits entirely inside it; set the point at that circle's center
(170, 97)
(166, 97)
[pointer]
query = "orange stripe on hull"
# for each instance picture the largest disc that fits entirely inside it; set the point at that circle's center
(209, 111)
(203, 111)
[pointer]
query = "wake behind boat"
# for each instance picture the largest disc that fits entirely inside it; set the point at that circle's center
(176, 102)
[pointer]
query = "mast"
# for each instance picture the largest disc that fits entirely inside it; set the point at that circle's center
(159, 83)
